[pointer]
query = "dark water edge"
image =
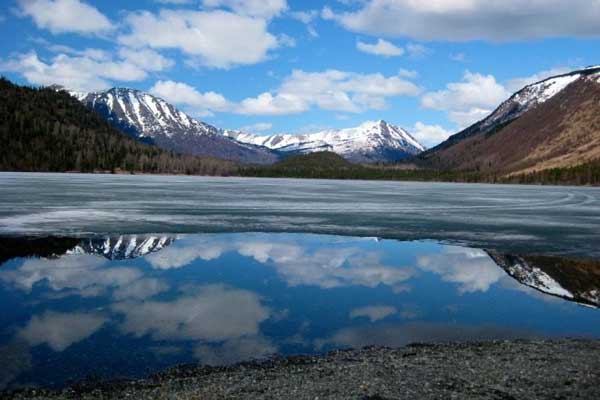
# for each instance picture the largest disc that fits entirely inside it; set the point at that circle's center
(482, 370)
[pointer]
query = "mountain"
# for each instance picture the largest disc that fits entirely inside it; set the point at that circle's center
(48, 130)
(372, 141)
(554, 123)
(153, 120)
(572, 279)
(122, 247)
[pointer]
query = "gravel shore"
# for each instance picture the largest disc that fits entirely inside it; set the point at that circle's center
(566, 369)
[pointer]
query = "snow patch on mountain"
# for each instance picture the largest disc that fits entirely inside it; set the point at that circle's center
(536, 278)
(528, 98)
(148, 114)
(151, 119)
(122, 247)
(371, 141)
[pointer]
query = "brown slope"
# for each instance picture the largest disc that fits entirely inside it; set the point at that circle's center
(564, 131)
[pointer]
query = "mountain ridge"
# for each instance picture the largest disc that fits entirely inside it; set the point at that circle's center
(151, 119)
(371, 141)
(554, 123)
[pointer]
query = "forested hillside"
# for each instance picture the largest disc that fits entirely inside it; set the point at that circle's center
(46, 130)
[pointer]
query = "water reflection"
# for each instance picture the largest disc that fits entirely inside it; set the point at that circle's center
(124, 305)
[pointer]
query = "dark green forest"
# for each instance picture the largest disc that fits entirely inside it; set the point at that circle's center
(47, 130)
(327, 165)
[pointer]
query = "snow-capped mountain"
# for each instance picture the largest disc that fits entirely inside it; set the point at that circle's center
(122, 247)
(153, 120)
(546, 275)
(525, 100)
(372, 141)
(548, 124)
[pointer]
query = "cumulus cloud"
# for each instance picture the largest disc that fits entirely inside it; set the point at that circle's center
(218, 39)
(146, 59)
(472, 269)
(255, 8)
(60, 330)
(296, 264)
(453, 20)
(325, 268)
(373, 313)
(84, 274)
(86, 70)
(329, 90)
(182, 94)
(475, 97)
(380, 48)
(181, 256)
(469, 100)
(140, 289)
(212, 313)
(307, 18)
(61, 16)
(429, 135)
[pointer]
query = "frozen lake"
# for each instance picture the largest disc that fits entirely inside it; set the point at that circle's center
(557, 220)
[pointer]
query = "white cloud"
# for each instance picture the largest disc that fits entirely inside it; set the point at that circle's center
(140, 289)
(429, 135)
(61, 16)
(416, 50)
(213, 313)
(374, 313)
(85, 70)
(147, 59)
(329, 90)
(458, 57)
(258, 127)
(60, 330)
(183, 94)
(472, 19)
(472, 269)
(467, 101)
(216, 38)
(407, 73)
(86, 274)
(267, 104)
(380, 48)
(475, 97)
(307, 18)
(255, 8)
(326, 268)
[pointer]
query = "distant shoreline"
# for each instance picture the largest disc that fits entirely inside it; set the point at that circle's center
(498, 369)
(125, 173)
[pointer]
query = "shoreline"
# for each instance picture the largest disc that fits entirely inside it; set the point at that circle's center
(527, 369)
(241, 176)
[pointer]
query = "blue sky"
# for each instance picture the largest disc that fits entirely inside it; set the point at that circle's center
(271, 66)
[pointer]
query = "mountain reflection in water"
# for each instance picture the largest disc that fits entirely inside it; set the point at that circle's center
(124, 306)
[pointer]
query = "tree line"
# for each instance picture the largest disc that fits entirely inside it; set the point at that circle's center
(46, 130)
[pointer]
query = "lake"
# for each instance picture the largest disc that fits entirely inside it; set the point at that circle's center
(105, 277)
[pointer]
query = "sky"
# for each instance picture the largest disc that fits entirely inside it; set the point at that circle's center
(272, 66)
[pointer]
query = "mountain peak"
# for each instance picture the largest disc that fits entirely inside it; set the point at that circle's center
(151, 119)
(371, 141)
